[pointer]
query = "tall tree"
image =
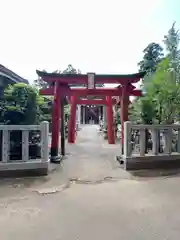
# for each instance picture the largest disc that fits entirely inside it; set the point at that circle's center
(71, 70)
(164, 94)
(171, 41)
(153, 54)
(161, 103)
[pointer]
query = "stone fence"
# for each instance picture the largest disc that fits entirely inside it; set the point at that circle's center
(151, 146)
(25, 160)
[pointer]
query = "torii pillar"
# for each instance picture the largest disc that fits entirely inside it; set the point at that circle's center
(72, 121)
(55, 157)
(110, 120)
(124, 112)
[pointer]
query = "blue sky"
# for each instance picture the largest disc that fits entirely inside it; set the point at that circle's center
(102, 36)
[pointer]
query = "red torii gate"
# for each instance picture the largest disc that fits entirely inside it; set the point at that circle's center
(60, 87)
(109, 116)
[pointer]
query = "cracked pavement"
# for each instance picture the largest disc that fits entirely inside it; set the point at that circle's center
(90, 197)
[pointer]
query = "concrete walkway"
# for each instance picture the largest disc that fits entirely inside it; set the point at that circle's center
(124, 208)
(91, 158)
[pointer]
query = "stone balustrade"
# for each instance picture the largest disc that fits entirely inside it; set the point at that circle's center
(39, 164)
(151, 146)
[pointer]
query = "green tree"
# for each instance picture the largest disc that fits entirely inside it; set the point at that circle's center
(142, 110)
(164, 94)
(71, 70)
(45, 109)
(21, 105)
(161, 103)
(153, 54)
(171, 41)
(135, 110)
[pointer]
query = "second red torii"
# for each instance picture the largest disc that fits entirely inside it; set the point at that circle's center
(93, 101)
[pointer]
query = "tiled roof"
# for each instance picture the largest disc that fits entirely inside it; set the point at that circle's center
(11, 75)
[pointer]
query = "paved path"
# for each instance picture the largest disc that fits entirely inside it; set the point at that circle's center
(91, 158)
(126, 208)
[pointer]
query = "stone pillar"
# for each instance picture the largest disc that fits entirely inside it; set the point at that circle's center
(104, 116)
(81, 114)
(84, 115)
(101, 108)
(78, 114)
(99, 114)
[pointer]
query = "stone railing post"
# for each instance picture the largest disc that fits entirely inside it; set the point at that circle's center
(5, 146)
(167, 141)
(127, 139)
(178, 141)
(44, 141)
(25, 145)
(155, 141)
(142, 142)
